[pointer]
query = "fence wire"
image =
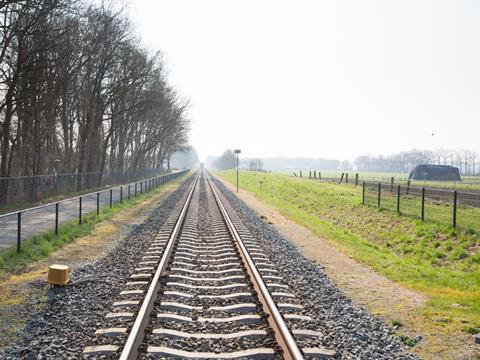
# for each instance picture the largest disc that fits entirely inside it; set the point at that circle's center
(31, 189)
(21, 225)
(450, 207)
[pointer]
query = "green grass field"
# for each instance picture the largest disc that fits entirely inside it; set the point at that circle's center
(430, 258)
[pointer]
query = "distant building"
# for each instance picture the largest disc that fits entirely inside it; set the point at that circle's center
(435, 173)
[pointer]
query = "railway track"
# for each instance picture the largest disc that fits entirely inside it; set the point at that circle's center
(204, 289)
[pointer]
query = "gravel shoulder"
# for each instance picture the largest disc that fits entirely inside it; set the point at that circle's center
(380, 296)
(26, 295)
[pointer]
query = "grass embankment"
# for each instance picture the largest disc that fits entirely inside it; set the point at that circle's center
(433, 259)
(42, 245)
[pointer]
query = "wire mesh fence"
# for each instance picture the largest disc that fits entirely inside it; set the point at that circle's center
(15, 227)
(31, 189)
(450, 207)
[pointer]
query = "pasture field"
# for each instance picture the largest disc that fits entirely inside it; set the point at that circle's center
(467, 183)
(433, 259)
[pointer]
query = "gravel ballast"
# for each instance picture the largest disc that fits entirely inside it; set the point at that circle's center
(67, 323)
(72, 314)
(348, 328)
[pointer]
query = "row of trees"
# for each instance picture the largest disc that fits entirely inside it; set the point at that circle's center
(79, 93)
(226, 161)
(467, 161)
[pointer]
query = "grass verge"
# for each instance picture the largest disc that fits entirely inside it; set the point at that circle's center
(42, 245)
(432, 259)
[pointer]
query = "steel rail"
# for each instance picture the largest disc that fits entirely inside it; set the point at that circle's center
(282, 333)
(137, 333)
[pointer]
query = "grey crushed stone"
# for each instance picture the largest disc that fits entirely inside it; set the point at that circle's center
(347, 327)
(67, 323)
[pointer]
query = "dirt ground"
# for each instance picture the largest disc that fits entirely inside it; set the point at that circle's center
(21, 295)
(381, 296)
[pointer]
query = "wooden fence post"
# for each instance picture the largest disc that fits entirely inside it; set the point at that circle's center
(398, 198)
(363, 193)
(423, 203)
(379, 193)
(455, 201)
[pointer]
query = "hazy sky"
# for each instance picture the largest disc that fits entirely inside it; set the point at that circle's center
(333, 79)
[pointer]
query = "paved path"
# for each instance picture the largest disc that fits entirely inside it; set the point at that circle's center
(37, 221)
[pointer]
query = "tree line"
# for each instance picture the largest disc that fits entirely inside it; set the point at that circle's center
(468, 162)
(79, 93)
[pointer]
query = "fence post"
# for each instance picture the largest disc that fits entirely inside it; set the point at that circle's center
(356, 179)
(398, 199)
(128, 191)
(392, 181)
(423, 203)
(379, 193)
(141, 187)
(98, 203)
(19, 230)
(319, 175)
(300, 173)
(80, 210)
(314, 174)
(455, 201)
(121, 194)
(363, 193)
(56, 218)
(135, 189)
(111, 195)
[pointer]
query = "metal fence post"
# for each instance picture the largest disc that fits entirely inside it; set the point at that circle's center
(121, 194)
(111, 200)
(98, 203)
(398, 198)
(128, 191)
(56, 218)
(379, 193)
(363, 193)
(423, 203)
(80, 210)
(19, 230)
(455, 201)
